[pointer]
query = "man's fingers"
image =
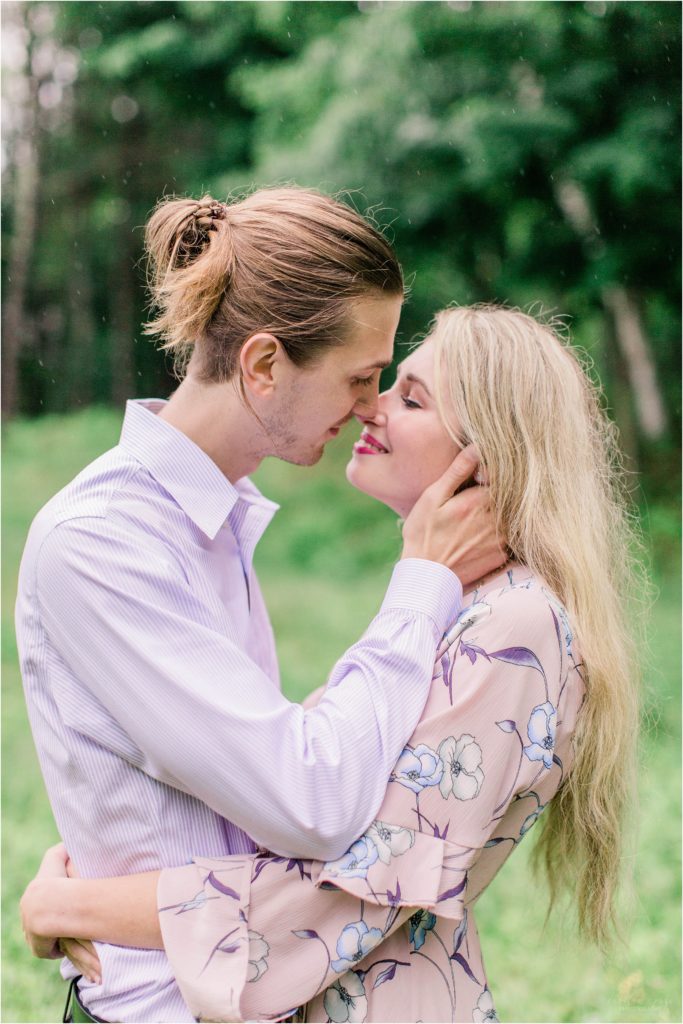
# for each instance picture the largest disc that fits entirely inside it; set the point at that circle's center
(461, 469)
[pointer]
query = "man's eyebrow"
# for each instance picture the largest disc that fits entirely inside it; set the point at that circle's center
(377, 366)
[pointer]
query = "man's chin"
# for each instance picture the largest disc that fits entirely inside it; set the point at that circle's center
(304, 459)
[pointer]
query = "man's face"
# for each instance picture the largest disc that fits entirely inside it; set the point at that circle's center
(316, 401)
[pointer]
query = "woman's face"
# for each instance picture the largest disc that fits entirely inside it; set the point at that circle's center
(404, 447)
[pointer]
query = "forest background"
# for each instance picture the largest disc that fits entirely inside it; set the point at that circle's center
(522, 152)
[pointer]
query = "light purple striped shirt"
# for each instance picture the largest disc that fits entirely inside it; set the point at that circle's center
(153, 692)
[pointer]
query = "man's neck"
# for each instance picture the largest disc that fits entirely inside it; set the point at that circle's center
(217, 420)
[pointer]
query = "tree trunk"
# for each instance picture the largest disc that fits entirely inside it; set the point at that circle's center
(635, 348)
(625, 315)
(16, 329)
(122, 321)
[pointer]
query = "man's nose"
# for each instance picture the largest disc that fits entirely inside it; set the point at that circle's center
(368, 409)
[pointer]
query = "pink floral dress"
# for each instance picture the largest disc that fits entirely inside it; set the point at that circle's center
(387, 932)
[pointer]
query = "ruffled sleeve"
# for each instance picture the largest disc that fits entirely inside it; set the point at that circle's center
(253, 938)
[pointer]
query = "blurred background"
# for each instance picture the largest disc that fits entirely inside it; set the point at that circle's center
(521, 152)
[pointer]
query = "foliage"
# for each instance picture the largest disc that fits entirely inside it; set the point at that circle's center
(523, 152)
(319, 608)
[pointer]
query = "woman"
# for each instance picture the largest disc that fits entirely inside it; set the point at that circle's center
(533, 705)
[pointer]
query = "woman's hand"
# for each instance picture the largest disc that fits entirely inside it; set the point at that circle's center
(457, 530)
(81, 953)
(53, 874)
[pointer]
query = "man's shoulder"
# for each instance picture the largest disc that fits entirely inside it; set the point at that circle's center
(113, 495)
(89, 494)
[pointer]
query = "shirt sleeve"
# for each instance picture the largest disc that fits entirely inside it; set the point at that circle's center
(207, 720)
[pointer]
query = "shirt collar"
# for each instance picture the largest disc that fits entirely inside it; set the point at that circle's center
(192, 479)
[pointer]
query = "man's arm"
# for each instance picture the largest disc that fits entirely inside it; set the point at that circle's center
(120, 613)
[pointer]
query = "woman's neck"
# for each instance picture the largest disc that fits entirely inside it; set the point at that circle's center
(477, 584)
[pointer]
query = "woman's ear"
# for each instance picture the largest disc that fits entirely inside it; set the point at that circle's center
(258, 357)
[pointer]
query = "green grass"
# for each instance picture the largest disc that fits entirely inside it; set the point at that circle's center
(324, 564)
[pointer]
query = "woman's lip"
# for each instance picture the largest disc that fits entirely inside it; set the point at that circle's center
(365, 436)
(361, 449)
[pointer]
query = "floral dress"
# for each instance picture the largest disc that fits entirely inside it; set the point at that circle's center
(387, 931)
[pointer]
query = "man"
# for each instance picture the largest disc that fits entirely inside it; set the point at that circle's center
(147, 656)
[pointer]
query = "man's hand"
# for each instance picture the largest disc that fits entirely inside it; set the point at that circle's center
(49, 884)
(457, 530)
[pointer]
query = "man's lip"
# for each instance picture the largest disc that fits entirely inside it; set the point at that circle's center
(365, 436)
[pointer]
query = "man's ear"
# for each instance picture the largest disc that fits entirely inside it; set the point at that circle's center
(258, 358)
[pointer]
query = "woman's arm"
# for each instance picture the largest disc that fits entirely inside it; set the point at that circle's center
(122, 911)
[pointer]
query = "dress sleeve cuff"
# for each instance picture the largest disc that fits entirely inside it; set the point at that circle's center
(424, 587)
(203, 915)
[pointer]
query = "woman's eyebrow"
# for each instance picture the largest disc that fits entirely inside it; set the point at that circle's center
(417, 380)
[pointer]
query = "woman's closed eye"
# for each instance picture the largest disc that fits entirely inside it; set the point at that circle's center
(410, 403)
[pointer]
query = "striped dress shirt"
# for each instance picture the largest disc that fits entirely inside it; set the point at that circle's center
(152, 685)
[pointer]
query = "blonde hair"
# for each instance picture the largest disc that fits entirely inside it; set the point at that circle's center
(509, 384)
(285, 261)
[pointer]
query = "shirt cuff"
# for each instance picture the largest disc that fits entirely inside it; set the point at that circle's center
(421, 586)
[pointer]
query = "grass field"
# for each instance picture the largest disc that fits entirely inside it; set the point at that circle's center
(324, 564)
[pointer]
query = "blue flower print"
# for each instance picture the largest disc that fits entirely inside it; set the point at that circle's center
(566, 629)
(420, 923)
(471, 614)
(357, 860)
(418, 768)
(354, 943)
(346, 1000)
(541, 732)
(258, 956)
(462, 775)
(485, 1011)
(529, 822)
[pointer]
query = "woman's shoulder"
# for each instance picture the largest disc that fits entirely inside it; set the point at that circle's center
(516, 609)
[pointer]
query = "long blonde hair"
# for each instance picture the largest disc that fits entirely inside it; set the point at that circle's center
(511, 385)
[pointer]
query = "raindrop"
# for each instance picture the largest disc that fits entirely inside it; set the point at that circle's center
(90, 37)
(118, 211)
(124, 108)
